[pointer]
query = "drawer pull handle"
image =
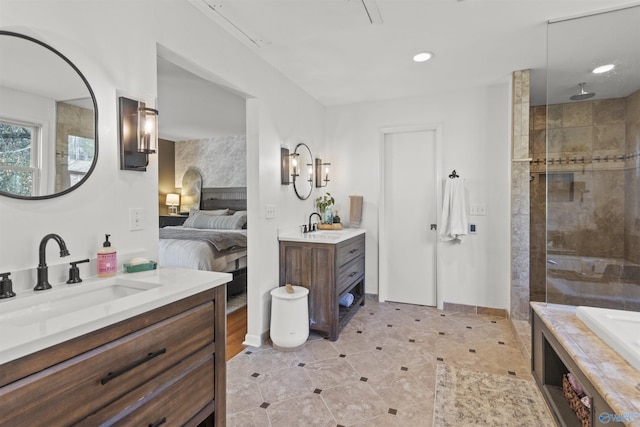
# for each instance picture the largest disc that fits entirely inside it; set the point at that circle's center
(159, 422)
(353, 274)
(353, 251)
(113, 375)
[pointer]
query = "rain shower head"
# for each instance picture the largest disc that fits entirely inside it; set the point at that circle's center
(583, 94)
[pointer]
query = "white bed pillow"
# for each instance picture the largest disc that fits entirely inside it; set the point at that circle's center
(215, 212)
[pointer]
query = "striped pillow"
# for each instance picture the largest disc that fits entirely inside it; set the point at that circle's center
(215, 222)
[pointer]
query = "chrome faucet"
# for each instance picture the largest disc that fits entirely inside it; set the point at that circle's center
(43, 270)
(311, 216)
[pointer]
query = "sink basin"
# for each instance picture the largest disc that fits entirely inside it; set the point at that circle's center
(32, 321)
(65, 299)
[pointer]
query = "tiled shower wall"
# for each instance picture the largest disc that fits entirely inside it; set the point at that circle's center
(632, 180)
(520, 198)
(70, 120)
(592, 182)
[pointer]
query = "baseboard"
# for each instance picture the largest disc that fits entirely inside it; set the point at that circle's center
(256, 340)
(474, 309)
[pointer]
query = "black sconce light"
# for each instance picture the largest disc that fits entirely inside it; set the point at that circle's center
(289, 166)
(319, 176)
(138, 134)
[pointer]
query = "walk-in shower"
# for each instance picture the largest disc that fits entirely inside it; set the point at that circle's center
(585, 150)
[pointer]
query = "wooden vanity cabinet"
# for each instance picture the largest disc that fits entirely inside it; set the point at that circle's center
(329, 271)
(163, 367)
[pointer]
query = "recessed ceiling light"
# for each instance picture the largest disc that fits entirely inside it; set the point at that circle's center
(603, 69)
(423, 56)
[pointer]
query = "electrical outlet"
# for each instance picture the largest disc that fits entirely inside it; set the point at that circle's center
(473, 229)
(270, 211)
(135, 219)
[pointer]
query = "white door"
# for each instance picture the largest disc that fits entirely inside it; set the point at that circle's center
(410, 209)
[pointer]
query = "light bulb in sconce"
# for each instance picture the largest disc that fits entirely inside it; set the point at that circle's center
(148, 128)
(320, 180)
(294, 162)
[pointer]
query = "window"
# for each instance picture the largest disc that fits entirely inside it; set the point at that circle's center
(80, 157)
(18, 153)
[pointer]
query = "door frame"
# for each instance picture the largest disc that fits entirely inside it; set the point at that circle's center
(383, 253)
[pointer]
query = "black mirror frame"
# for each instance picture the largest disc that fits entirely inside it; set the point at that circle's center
(95, 125)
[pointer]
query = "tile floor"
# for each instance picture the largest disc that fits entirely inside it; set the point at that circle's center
(380, 372)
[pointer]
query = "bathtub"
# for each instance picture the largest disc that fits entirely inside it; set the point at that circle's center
(620, 329)
(601, 282)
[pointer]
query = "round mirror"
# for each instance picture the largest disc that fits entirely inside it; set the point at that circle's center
(48, 120)
(303, 178)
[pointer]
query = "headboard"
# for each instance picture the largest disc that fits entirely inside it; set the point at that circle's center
(227, 197)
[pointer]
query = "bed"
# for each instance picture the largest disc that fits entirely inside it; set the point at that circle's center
(212, 238)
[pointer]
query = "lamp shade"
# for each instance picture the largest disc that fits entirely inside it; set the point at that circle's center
(173, 199)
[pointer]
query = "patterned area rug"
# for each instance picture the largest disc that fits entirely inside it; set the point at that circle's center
(468, 398)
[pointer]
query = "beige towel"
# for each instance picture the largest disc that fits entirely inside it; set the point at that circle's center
(355, 210)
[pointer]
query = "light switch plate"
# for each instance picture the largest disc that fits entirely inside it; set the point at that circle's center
(269, 211)
(478, 209)
(136, 221)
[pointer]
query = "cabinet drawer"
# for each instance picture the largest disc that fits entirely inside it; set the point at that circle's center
(69, 391)
(349, 273)
(349, 250)
(172, 404)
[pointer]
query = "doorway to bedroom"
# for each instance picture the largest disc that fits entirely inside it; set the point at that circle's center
(202, 134)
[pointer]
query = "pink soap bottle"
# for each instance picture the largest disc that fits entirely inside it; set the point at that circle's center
(107, 263)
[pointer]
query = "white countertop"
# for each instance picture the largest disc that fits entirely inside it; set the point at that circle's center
(35, 320)
(332, 237)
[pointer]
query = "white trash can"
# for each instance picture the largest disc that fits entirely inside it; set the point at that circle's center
(289, 317)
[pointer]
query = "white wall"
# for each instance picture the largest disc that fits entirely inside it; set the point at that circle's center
(115, 45)
(475, 142)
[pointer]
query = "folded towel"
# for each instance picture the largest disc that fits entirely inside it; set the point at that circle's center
(586, 401)
(454, 211)
(355, 210)
(346, 300)
(575, 385)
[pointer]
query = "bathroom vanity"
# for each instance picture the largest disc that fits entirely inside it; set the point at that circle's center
(562, 344)
(330, 264)
(153, 354)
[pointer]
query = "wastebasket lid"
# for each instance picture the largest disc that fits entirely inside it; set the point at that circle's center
(281, 292)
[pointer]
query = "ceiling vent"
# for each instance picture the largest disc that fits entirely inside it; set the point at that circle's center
(216, 12)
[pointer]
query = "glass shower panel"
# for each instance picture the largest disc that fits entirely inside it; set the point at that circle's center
(592, 174)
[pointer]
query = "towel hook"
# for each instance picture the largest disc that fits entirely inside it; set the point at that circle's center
(453, 174)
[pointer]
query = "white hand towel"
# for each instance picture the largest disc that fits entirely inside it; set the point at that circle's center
(454, 211)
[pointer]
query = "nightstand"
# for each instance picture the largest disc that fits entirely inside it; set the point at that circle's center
(172, 220)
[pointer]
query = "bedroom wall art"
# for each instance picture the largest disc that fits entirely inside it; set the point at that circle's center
(222, 161)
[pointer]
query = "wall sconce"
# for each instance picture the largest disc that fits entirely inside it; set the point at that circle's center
(319, 176)
(138, 134)
(173, 200)
(288, 167)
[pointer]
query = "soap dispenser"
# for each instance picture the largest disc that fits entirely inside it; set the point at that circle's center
(107, 263)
